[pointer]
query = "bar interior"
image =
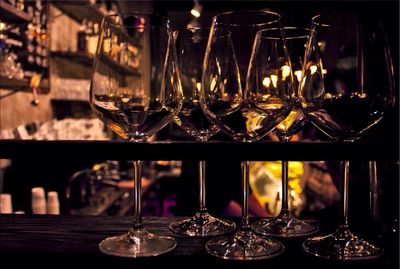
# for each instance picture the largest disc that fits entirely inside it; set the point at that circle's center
(239, 134)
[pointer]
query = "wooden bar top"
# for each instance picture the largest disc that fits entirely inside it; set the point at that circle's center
(51, 241)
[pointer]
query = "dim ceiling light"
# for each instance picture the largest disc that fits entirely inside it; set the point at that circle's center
(196, 10)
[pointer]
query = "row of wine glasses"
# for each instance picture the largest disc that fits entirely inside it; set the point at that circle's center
(255, 76)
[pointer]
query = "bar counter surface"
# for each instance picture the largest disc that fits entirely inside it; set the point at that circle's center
(45, 241)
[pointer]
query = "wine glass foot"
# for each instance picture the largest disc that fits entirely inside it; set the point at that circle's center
(244, 245)
(284, 225)
(342, 245)
(137, 243)
(202, 224)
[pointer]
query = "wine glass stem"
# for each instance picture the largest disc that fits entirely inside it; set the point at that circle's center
(285, 178)
(137, 195)
(245, 195)
(202, 186)
(285, 201)
(344, 195)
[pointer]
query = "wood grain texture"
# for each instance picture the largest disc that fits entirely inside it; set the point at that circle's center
(48, 241)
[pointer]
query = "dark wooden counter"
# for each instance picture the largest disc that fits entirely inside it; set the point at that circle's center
(48, 241)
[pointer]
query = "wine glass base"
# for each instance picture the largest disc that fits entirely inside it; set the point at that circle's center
(201, 225)
(137, 243)
(342, 245)
(244, 245)
(284, 225)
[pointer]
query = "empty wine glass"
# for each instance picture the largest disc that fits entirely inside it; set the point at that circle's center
(135, 103)
(192, 44)
(285, 224)
(246, 115)
(347, 88)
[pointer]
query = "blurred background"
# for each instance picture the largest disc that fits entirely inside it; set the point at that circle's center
(47, 50)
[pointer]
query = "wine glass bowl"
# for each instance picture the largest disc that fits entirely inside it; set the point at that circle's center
(285, 224)
(135, 101)
(191, 45)
(236, 44)
(350, 54)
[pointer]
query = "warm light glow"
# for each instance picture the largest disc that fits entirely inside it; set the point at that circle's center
(213, 84)
(298, 75)
(313, 69)
(324, 71)
(2, 26)
(196, 10)
(274, 79)
(285, 71)
(266, 82)
(198, 86)
(195, 13)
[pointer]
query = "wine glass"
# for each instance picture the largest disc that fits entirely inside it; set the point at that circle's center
(285, 224)
(135, 102)
(249, 115)
(347, 88)
(192, 44)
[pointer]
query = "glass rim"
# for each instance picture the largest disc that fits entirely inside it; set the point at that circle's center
(112, 22)
(291, 37)
(214, 19)
(314, 21)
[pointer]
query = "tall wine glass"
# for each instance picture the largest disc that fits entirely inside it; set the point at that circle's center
(285, 224)
(192, 44)
(135, 102)
(349, 53)
(246, 115)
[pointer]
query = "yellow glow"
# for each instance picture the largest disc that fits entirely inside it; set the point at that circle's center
(213, 84)
(285, 71)
(274, 79)
(313, 69)
(324, 71)
(195, 13)
(298, 75)
(2, 26)
(198, 86)
(266, 82)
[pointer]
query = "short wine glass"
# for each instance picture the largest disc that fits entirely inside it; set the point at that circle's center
(348, 86)
(192, 43)
(247, 115)
(285, 224)
(135, 102)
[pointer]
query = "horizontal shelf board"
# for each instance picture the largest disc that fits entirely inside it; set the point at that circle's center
(87, 60)
(8, 13)
(79, 10)
(22, 84)
(109, 150)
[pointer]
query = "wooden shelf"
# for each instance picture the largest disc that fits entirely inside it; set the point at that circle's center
(79, 10)
(214, 150)
(23, 85)
(87, 60)
(8, 13)
(79, 57)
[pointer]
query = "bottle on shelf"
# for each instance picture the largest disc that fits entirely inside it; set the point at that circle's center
(82, 37)
(92, 36)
